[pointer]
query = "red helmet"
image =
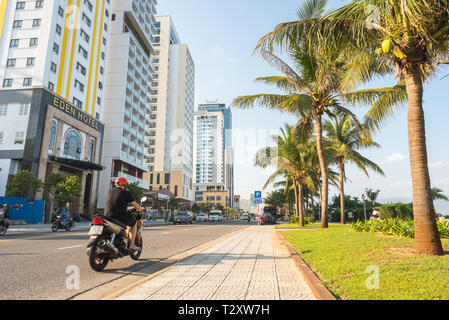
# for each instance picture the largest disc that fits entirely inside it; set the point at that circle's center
(121, 181)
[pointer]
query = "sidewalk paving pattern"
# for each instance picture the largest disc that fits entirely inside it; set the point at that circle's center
(250, 265)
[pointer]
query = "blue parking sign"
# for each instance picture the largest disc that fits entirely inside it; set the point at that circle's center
(258, 194)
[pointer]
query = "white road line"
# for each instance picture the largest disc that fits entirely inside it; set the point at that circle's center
(78, 246)
(166, 232)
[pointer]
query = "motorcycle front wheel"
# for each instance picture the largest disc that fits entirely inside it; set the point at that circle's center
(54, 227)
(2, 231)
(97, 260)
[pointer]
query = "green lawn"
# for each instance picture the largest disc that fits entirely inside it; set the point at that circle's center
(297, 226)
(340, 258)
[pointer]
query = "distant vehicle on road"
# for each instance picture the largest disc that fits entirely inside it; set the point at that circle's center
(202, 217)
(183, 217)
(215, 216)
(245, 217)
(268, 218)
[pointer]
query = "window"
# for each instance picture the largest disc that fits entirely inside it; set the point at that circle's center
(72, 145)
(17, 24)
(20, 137)
(91, 150)
(113, 17)
(3, 110)
(88, 4)
(84, 35)
(80, 68)
(55, 48)
(58, 29)
(100, 85)
(79, 85)
(101, 70)
(54, 126)
(151, 178)
(61, 12)
(39, 4)
(36, 23)
(104, 40)
(31, 61)
(105, 27)
(53, 67)
(27, 82)
(1, 138)
(77, 103)
(102, 55)
(20, 5)
(107, 13)
(14, 43)
(33, 42)
(7, 83)
(11, 63)
(23, 111)
(51, 86)
(98, 100)
(86, 19)
(167, 178)
(82, 51)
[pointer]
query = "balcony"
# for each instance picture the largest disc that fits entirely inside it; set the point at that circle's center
(142, 183)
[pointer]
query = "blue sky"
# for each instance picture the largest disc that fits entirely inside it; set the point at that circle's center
(221, 36)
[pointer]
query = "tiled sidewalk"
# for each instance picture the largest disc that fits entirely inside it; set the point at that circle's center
(251, 265)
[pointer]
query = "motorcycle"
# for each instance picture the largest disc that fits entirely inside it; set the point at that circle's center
(58, 224)
(108, 240)
(4, 226)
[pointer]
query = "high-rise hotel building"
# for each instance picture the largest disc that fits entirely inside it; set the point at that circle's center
(53, 63)
(171, 130)
(128, 93)
(214, 158)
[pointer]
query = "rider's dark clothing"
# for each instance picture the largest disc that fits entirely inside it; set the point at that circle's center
(117, 201)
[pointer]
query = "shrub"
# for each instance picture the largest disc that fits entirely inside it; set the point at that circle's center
(295, 220)
(396, 210)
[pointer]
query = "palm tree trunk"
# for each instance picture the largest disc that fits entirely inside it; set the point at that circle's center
(342, 190)
(295, 187)
(313, 205)
(301, 203)
(427, 239)
(323, 167)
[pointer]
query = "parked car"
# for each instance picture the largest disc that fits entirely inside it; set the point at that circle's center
(245, 217)
(202, 217)
(183, 217)
(267, 218)
(215, 216)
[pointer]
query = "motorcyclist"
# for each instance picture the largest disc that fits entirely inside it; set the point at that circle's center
(65, 216)
(117, 200)
(4, 215)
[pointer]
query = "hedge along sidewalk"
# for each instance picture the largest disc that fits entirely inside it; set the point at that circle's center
(344, 261)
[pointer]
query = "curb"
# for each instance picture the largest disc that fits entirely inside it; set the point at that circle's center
(179, 257)
(318, 289)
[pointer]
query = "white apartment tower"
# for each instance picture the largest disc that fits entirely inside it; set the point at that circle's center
(171, 129)
(53, 63)
(129, 87)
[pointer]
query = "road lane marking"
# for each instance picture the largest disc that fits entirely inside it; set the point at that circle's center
(78, 246)
(43, 237)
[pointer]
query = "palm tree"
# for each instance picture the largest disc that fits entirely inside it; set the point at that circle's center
(346, 139)
(293, 159)
(372, 194)
(437, 194)
(414, 35)
(276, 198)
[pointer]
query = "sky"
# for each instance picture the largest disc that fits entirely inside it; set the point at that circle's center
(221, 36)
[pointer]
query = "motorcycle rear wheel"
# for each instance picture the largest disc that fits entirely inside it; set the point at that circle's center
(95, 262)
(2, 231)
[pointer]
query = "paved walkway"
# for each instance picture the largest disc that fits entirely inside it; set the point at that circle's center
(250, 265)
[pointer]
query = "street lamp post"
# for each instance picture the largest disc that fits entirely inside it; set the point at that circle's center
(364, 204)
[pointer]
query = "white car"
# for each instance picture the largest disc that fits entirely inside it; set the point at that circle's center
(202, 217)
(215, 216)
(245, 217)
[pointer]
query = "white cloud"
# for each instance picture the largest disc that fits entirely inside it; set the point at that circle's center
(439, 164)
(395, 157)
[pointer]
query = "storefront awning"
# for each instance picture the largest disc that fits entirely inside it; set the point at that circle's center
(83, 165)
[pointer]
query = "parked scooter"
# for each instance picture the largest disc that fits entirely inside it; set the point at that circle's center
(108, 240)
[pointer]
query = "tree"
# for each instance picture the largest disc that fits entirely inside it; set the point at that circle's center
(23, 184)
(346, 139)
(68, 190)
(174, 203)
(413, 35)
(276, 198)
(437, 194)
(135, 191)
(372, 194)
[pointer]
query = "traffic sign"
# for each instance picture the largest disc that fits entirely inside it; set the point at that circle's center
(258, 194)
(258, 201)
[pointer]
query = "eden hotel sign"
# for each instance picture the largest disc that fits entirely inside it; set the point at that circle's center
(75, 112)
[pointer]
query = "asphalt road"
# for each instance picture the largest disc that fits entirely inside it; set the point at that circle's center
(33, 264)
